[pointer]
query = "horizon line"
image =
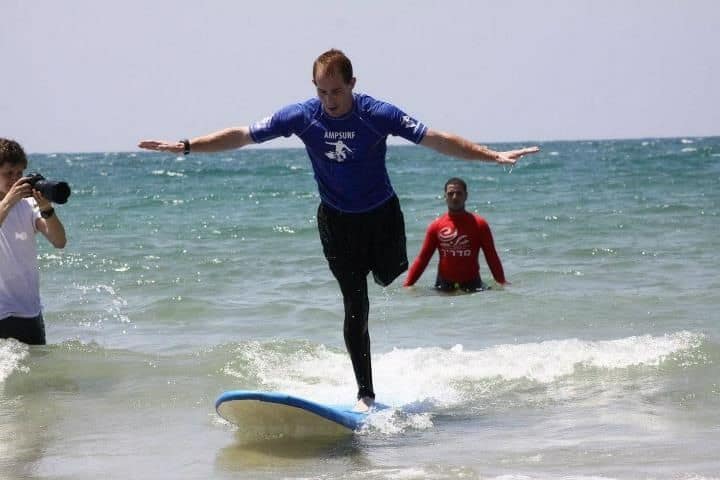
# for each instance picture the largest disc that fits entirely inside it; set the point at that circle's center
(405, 145)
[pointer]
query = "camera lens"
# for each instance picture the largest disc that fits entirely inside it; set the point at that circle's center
(56, 192)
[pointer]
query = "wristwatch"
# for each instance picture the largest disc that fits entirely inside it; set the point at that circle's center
(47, 213)
(186, 145)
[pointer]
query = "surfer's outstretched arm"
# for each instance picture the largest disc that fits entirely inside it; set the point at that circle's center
(456, 146)
(226, 139)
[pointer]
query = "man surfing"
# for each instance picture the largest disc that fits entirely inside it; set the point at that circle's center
(360, 223)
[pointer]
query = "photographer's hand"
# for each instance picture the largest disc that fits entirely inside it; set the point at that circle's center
(49, 225)
(20, 189)
(43, 203)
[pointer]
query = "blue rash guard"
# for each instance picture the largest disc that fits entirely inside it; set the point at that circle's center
(348, 152)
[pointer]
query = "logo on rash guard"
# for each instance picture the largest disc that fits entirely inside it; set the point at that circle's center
(262, 124)
(21, 236)
(339, 135)
(408, 122)
(340, 153)
(452, 245)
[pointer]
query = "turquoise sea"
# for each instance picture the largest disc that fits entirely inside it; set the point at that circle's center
(188, 276)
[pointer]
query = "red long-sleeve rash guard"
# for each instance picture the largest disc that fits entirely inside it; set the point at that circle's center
(458, 237)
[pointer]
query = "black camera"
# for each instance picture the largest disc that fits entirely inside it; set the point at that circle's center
(56, 192)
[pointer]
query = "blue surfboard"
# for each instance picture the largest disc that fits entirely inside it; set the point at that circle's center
(282, 415)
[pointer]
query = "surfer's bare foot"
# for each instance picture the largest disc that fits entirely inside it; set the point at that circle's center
(364, 404)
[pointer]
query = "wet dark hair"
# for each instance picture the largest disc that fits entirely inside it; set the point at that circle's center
(11, 152)
(334, 61)
(456, 181)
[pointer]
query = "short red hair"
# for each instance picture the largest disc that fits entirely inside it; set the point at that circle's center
(333, 62)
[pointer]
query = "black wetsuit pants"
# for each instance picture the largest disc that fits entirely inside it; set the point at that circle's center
(476, 285)
(27, 330)
(356, 244)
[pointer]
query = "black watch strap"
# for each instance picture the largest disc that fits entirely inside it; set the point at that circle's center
(186, 145)
(47, 213)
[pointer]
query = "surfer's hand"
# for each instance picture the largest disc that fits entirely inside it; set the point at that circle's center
(162, 146)
(512, 156)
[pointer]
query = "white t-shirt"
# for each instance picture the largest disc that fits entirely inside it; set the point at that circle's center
(19, 273)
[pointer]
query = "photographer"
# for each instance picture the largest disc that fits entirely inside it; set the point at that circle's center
(24, 211)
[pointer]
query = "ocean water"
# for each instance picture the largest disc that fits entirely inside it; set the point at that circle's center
(188, 276)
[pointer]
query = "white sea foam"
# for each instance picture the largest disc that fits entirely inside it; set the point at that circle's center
(400, 473)
(11, 354)
(417, 381)
(168, 173)
(413, 375)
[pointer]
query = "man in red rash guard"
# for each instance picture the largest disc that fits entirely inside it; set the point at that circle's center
(458, 236)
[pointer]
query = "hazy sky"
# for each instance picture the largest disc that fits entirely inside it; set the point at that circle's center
(93, 75)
